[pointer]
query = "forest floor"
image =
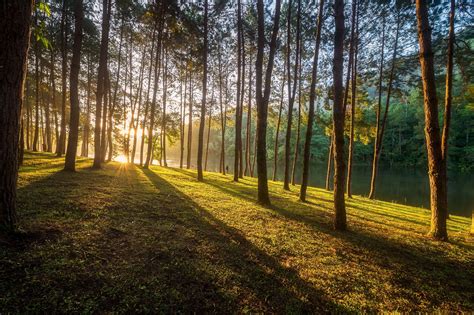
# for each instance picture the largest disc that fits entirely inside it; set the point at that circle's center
(126, 239)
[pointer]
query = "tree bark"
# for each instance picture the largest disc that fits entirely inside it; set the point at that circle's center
(190, 123)
(381, 127)
(338, 119)
(223, 114)
(37, 92)
(15, 21)
(149, 155)
(249, 123)
(291, 91)
(165, 92)
(70, 163)
(142, 145)
(263, 96)
(448, 93)
(355, 43)
(277, 133)
(312, 99)
(436, 163)
(238, 109)
(378, 113)
(204, 95)
(101, 78)
(60, 150)
(298, 127)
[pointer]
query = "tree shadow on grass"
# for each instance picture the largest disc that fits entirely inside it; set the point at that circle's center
(254, 275)
(416, 265)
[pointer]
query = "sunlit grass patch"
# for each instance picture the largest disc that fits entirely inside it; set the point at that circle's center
(126, 239)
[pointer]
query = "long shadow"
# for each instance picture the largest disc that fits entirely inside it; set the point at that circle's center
(413, 266)
(276, 288)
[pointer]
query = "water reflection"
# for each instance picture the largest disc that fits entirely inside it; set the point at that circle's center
(403, 185)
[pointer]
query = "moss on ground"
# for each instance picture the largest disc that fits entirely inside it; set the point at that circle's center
(125, 239)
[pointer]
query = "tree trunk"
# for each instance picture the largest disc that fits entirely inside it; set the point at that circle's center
(149, 155)
(190, 123)
(70, 163)
(182, 114)
(291, 91)
(249, 124)
(338, 119)
(298, 127)
(379, 138)
(436, 163)
(139, 98)
(354, 43)
(238, 116)
(165, 92)
(277, 133)
(263, 96)
(60, 150)
(204, 95)
(101, 78)
(209, 129)
(448, 94)
(312, 99)
(15, 21)
(378, 113)
(222, 157)
(37, 91)
(142, 145)
(85, 137)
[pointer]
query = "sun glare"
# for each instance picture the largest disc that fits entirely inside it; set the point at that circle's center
(121, 158)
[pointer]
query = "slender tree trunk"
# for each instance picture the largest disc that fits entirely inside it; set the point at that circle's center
(70, 163)
(291, 91)
(139, 98)
(222, 157)
(378, 113)
(182, 117)
(277, 133)
(190, 123)
(53, 98)
(249, 123)
(165, 92)
(448, 94)
(241, 106)
(252, 170)
(21, 146)
(204, 95)
(298, 127)
(338, 119)
(238, 116)
(37, 92)
(60, 150)
(101, 78)
(28, 117)
(381, 127)
(142, 145)
(312, 98)
(149, 155)
(355, 43)
(209, 129)
(85, 137)
(15, 21)
(47, 118)
(436, 165)
(262, 96)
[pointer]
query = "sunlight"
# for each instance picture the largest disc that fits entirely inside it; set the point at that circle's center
(121, 158)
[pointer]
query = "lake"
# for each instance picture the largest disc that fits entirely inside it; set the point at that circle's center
(403, 185)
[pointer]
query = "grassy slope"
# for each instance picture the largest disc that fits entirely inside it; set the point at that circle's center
(126, 239)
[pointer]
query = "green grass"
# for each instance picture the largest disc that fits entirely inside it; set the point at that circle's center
(125, 239)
